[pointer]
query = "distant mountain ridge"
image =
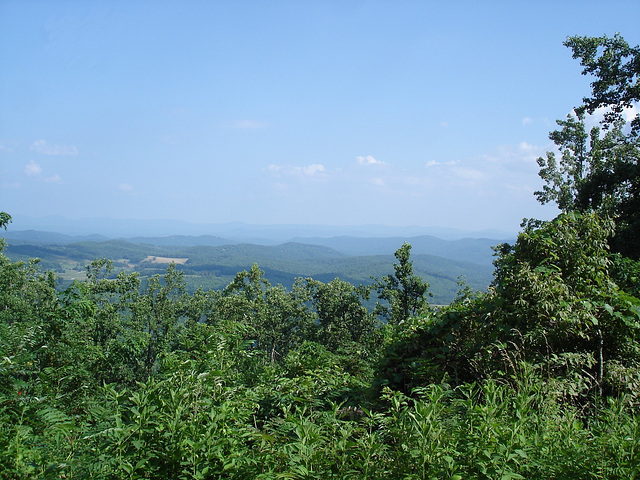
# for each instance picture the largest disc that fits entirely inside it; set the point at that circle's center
(474, 250)
(237, 231)
(207, 266)
(36, 237)
(182, 241)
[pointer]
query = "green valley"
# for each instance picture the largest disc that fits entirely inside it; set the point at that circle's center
(213, 267)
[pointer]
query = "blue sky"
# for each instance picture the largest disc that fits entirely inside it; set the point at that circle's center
(300, 112)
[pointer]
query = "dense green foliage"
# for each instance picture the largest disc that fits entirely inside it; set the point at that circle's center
(600, 170)
(539, 377)
(404, 292)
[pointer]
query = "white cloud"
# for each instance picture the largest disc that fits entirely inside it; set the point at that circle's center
(526, 121)
(520, 188)
(368, 160)
(43, 147)
(514, 155)
(53, 179)
(246, 124)
(32, 168)
(631, 113)
(377, 181)
(312, 170)
(525, 146)
(529, 153)
(597, 116)
(125, 187)
(627, 113)
(434, 163)
(444, 124)
(469, 174)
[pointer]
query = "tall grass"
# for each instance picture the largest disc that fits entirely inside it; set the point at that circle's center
(191, 425)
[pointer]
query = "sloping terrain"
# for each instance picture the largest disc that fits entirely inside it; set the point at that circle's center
(213, 267)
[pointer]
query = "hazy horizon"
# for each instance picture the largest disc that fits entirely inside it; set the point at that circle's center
(115, 228)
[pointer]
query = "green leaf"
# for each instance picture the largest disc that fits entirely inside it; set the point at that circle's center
(608, 308)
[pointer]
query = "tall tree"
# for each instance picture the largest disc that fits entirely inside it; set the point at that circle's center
(159, 311)
(600, 170)
(616, 68)
(405, 292)
(342, 317)
(277, 318)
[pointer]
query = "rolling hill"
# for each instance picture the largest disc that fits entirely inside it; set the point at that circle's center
(211, 266)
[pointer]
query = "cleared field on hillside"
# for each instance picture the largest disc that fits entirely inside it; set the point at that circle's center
(166, 260)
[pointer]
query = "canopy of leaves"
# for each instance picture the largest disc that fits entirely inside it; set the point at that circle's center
(601, 172)
(616, 68)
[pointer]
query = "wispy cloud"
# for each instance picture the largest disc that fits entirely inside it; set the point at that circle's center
(312, 170)
(4, 147)
(53, 179)
(368, 160)
(246, 124)
(527, 121)
(125, 187)
(514, 155)
(528, 153)
(32, 168)
(434, 163)
(469, 174)
(45, 148)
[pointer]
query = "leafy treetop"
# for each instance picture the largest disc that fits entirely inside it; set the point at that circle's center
(600, 170)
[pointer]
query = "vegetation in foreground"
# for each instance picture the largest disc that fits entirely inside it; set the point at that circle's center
(539, 377)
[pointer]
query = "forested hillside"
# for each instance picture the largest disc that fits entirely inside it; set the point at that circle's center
(213, 267)
(126, 374)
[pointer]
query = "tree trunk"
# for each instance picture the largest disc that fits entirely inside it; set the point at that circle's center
(600, 361)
